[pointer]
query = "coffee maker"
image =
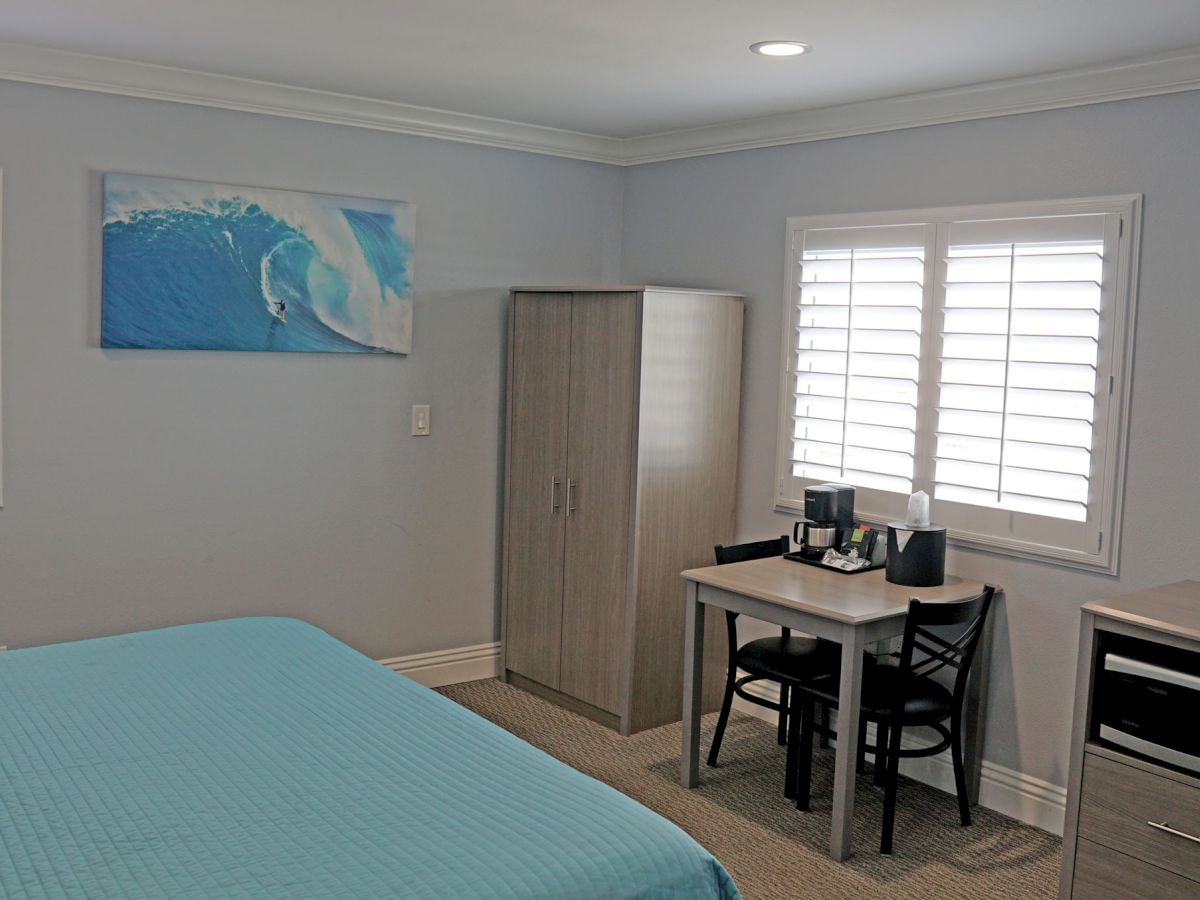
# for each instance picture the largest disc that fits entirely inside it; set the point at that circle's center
(828, 519)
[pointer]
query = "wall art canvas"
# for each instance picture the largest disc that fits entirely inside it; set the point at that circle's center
(200, 266)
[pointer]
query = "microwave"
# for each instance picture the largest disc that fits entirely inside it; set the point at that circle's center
(1147, 702)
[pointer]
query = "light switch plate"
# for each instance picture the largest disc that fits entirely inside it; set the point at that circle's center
(420, 419)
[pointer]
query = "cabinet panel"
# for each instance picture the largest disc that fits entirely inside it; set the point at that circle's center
(1118, 802)
(534, 504)
(1104, 874)
(600, 431)
(686, 482)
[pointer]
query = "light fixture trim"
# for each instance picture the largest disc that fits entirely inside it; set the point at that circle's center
(780, 48)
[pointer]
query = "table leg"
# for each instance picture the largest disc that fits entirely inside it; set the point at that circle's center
(849, 697)
(974, 708)
(693, 678)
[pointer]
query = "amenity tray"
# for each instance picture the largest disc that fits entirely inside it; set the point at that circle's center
(795, 556)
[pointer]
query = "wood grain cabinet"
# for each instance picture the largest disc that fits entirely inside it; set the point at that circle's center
(620, 470)
(1132, 826)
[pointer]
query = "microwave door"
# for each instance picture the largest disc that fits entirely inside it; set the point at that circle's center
(1150, 710)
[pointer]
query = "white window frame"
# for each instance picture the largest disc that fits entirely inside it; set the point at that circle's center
(1115, 362)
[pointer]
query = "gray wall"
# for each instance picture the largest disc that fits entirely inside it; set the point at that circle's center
(719, 221)
(150, 488)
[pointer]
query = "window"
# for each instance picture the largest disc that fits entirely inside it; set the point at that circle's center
(978, 354)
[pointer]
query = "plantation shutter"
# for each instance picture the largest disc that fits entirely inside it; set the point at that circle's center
(1020, 367)
(854, 357)
(973, 353)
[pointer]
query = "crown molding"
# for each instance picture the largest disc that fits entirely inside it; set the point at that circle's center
(59, 68)
(1142, 77)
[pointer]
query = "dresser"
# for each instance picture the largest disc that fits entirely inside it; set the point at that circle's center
(1132, 826)
(620, 472)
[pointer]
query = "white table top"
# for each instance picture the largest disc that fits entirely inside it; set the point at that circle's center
(855, 598)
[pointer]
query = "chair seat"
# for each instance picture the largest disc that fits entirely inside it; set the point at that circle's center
(925, 700)
(794, 658)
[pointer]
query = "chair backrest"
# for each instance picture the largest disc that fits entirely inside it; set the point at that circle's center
(752, 550)
(741, 553)
(960, 623)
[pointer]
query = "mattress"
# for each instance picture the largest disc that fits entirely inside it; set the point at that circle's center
(260, 757)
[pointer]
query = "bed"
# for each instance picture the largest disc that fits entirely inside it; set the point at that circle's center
(260, 757)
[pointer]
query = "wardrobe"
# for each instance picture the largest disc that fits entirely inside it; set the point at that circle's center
(620, 472)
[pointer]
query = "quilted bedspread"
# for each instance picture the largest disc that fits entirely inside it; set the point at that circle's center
(262, 758)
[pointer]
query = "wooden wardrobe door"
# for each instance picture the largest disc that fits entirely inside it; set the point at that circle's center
(535, 500)
(600, 428)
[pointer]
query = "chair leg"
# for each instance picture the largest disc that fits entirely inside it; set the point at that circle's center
(881, 744)
(824, 744)
(860, 762)
(795, 718)
(960, 775)
(804, 775)
(782, 736)
(889, 791)
(723, 719)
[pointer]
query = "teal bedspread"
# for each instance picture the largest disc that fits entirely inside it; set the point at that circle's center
(262, 758)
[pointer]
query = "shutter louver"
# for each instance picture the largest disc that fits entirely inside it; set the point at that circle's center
(1020, 347)
(855, 356)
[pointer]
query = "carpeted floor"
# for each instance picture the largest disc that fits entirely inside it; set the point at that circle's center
(772, 850)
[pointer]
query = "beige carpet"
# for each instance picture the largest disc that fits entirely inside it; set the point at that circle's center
(772, 850)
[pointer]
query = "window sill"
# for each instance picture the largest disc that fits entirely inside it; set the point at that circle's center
(1103, 563)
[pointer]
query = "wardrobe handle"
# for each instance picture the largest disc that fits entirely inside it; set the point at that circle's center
(571, 485)
(554, 483)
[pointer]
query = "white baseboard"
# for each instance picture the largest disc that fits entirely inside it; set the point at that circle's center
(1015, 794)
(442, 667)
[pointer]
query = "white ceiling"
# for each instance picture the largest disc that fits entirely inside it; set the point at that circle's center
(618, 68)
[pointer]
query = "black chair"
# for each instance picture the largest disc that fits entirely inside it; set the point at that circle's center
(788, 659)
(936, 635)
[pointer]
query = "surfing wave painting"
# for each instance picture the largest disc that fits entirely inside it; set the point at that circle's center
(191, 265)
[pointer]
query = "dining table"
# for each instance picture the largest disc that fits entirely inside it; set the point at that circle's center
(855, 609)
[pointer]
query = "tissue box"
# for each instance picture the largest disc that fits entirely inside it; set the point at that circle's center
(916, 555)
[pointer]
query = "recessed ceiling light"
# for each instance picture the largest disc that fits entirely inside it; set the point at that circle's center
(779, 48)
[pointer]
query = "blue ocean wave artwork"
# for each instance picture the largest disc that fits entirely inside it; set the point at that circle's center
(201, 266)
